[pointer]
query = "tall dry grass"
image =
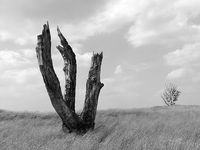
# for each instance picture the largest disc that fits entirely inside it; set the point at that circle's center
(157, 128)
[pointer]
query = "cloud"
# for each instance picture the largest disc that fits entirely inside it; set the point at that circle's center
(112, 17)
(188, 55)
(21, 41)
(9, 58)
(159, 23)
(12, 59)
(17, 67)
(84, 59)
(20, 66)
(4, 35)
(177, 20)
(176, 73)
(171, 25)
(124, 76)
(118, 69)
(121, 81)
(23, 76)
(186, 59)
(20, 75)
(23, 20)
(119, 90)
(137, 67)
(21, 32)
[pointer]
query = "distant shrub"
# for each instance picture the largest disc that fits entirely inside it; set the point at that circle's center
(170, 94)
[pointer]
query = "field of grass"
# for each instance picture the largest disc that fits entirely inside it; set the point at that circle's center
(156, 128)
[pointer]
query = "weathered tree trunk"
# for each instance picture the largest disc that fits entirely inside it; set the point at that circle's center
(65, 105)
(69, 69)
(93, 87)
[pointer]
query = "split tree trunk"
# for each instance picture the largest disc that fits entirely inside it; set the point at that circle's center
(65, 104)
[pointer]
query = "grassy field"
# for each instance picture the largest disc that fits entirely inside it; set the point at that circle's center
(156, 128)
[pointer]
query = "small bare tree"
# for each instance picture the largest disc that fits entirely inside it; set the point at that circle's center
(65, 104)
(170, 94)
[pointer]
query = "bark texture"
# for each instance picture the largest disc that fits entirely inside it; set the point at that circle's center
(69, 70)
(64, 105)
(93, 87)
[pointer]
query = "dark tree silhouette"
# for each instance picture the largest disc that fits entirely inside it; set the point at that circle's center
(64, 105)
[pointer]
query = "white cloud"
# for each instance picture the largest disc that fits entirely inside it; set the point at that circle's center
(4, 35)
(28, 53)
(21, 76)
(120, 80)
(143, 22)
(84, 59)
(118, 69)
(21, 41)
(176, 73)
(186, 56)
(137, 36)
(107, 81)
(137, 67)
(177, 21)
(171, 24)
(115, 15)
(17, 67)
(186, 59)
(119, 91)
(16, 59)
(19, 32)
(11, 59)
(174, 22)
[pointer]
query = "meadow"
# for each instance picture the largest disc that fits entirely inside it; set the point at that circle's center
(156, 128)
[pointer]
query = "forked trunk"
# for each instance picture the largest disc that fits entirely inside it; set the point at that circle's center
(65, 105)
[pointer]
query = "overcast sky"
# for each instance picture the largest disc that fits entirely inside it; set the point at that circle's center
(146, 44)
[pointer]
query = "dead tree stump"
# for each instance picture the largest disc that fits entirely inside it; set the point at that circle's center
(64, 105)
